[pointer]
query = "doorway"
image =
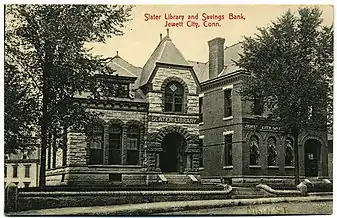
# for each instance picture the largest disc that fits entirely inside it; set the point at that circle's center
(173, 158)
(312, 152)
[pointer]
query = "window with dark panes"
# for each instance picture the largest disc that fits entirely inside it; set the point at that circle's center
(15, 171)
(257, 106)
(133, 146)
(254, 150)
(27, 171)
(289, 152)
(5, 172)
(115, 89)
(115, 144)
(228, 102)
(201, 101)
(26, 184)
(96, 145)
(272, 153)
(201, 155)
(174, 94)
(228, 150)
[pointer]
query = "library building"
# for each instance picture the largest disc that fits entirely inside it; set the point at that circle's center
(178, 120)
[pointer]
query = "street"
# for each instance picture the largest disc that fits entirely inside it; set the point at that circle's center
(324, 207)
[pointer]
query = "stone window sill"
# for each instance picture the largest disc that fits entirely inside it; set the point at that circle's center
(202, 123)
(273, 167)
(228, 118)
(228, 167)
(115, 166)
(289, 167)
(255, 166)
(200, 168)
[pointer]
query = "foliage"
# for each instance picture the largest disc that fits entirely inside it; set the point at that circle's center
(20, 111)
(290, 70)
(49, 43)
(291, 65)
(49, 46)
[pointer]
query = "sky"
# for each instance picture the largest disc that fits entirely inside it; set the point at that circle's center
(141, 37)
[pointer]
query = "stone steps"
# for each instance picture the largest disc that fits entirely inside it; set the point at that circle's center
(181, 178)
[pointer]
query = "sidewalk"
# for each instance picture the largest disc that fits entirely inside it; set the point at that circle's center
(160, 207)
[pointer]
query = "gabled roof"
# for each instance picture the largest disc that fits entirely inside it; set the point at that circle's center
(201, 70)
(165, 53)
(123, 68)
(231, 53)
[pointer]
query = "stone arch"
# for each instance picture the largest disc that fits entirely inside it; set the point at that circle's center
(115, 121)
(309, 136)
(174, 129)
(180, 81)
(256, 133)
(136, 123)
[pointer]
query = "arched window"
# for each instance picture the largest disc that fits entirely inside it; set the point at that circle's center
(133, 145)
(254, 150)
(115, 144)
(289, 152)
(174, 95)
(272, 153)
(96, 144)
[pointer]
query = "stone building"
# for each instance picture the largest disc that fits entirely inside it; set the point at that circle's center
(149, 128)
(238, 144)
(175, 116)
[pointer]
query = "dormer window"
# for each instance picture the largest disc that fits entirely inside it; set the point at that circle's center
(116, 89)
(174, 95)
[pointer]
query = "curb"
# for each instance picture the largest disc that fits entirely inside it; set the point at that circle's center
(164, 207)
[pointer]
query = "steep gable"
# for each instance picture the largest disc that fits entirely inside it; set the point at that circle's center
(165, 53)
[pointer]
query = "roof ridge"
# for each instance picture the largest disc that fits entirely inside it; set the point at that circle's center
(125, 69)
(232, 45)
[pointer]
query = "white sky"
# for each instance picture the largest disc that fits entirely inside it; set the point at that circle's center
(141, 37)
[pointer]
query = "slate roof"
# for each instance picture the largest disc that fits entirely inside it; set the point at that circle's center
(123, 68)
(166, 53)
(231, 53)
(201, 70)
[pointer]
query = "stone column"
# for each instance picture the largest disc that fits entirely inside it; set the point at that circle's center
(157, 161)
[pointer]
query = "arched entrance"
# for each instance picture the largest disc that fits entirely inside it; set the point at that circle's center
(312, 148)
(172, 158)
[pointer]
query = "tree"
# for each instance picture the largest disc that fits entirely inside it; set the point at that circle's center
(290, 66)
(50, 42)
(20, 111)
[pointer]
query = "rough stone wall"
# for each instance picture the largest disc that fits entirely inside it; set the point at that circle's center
(156, 99)
(78, 148)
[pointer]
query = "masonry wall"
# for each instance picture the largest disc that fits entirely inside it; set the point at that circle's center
(77, 142)
(190, 114)
(214, 127)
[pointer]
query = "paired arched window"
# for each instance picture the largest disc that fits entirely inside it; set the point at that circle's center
(272, 153)
(130, 144)
(174, 97)
(96, 144)
(133, 145)
(289, 152)
(254, 150)
(115, 144)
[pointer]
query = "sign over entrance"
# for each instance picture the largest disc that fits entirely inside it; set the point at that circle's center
(262, 127)
(173, 119)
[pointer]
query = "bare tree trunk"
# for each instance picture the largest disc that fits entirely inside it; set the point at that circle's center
(297, 169)
(48, 62)
(44, 130)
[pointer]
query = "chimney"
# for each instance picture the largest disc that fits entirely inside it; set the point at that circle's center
(216, 56)
(161, 37)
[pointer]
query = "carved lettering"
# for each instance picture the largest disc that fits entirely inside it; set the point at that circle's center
(174, 119)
